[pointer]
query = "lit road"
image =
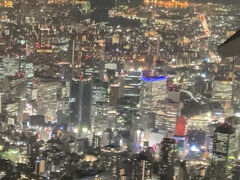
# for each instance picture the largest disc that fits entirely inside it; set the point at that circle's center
(204, 24)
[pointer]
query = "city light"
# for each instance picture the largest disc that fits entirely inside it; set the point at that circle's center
(194, 148)
(154, 78)
(119, 89)
(75, 130)
(84, 130)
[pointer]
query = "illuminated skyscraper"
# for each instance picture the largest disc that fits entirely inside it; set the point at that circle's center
(130, 98)
(46, 99)
(222, 142)
(153, 94)
(100, 106)
(154, 91)
(142, 167)
(80, 103)
(166, 170)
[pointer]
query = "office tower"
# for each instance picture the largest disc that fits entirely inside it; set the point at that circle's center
(154, 91)
(170, 112)
(93, 68)
(100, 101)
(128, 106)
(142, 167)
(40, 166)
(80, 103)
(223, 142)
(128, 103)
(100, 92)
(224, 149)
(153, 94)
(130, 84)
(96, 142)
(114, 94)
(21, 52)
(222, 93)
(235, 122)
(180, 171)
(223, 79)
(47, 99)
(166, 168)
(63, 94)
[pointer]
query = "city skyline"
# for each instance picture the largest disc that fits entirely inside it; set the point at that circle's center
(122, 90)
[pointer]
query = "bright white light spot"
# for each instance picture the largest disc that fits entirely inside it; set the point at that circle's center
(237, 114)
(84, 129)
(75, 130)
(194, 148)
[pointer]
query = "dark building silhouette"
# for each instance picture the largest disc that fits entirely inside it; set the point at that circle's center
(80, 103)
(222, 139)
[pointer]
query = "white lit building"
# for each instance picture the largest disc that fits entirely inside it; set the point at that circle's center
(154, 90)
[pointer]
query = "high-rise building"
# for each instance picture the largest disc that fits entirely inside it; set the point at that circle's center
(40, 166)
(114, 94)
(80, 103)
(130, 84)
(222, 93)
(166, 169)
(154, 91)
(223, 140)
(234, 122)
(93, 68)
(100, 101)
(142, 167)
(128, 103)
(46, 99)
(63, 94)
(153, 94)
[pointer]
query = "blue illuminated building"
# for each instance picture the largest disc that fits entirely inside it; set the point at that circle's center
(153, 78)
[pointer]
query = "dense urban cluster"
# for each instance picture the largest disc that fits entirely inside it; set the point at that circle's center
(124, 90)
